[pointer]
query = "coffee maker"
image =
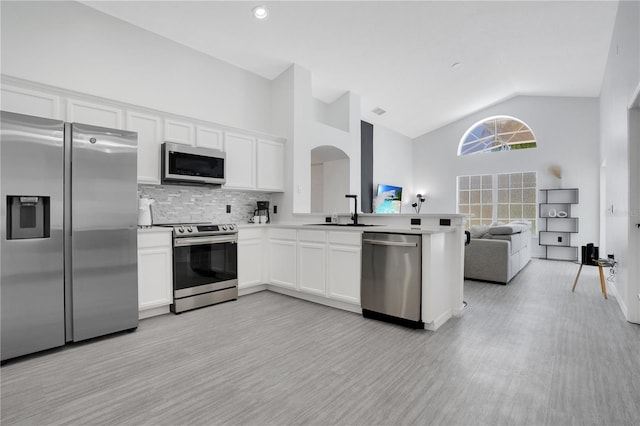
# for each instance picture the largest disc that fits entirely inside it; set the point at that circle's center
(262, 212)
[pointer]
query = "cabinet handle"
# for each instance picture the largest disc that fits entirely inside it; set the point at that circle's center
(389, 243)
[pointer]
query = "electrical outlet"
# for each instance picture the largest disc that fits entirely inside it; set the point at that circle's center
(275, 209)
(228, 208)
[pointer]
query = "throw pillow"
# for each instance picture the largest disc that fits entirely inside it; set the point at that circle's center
(478, 231)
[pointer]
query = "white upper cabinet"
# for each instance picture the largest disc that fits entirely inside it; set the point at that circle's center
(149, 129)
(208, 137)
(30, 102)
(178, 132)
(254, 161)
(270, 162)
(94, 114)
(241, 161)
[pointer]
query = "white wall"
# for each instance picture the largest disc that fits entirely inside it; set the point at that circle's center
(317, 187)
(567, 133)
(72, 46)
(294, 111)
(622, 77)
(393, 163)
(282, 107)
(336, 185)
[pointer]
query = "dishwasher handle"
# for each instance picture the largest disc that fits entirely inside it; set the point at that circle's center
(389, 243)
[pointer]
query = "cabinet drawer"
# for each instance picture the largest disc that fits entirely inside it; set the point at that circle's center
(347, 238)
(282, 234)
(312, 236)
(154, 239)
(249, 234)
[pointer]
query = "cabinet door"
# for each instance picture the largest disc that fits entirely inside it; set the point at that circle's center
(282, 263)
(250, 263)
(241, 161)
(270, 163)
(208, 137)
(178, 132)
(312, 267)
(94, 114)
(344, 273)
(149, 129)
(30, 102)
(154, 277)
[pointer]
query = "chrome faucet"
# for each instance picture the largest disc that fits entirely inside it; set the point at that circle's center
(354, 216)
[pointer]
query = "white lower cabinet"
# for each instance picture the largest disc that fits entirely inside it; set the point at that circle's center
(312, 255)
(318, 263)
(155, 272)
(282, 257)
(250, 257)
(343, 266)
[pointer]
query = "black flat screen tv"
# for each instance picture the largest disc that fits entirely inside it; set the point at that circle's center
(388, 199)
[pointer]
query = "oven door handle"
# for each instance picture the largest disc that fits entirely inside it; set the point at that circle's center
(182, 242)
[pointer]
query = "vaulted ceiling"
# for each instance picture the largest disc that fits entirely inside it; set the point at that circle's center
(400, 56)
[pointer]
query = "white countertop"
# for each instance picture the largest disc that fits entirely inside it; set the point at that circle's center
(152, 229)
(376, 228)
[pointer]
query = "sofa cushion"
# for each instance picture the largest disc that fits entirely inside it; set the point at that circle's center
(511, 228)
(515, 239)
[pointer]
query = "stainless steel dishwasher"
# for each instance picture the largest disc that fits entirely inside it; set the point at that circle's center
(391, 283)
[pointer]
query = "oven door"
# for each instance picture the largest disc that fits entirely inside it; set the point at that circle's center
(204, 264)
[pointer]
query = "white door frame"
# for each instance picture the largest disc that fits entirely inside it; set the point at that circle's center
(633, 279)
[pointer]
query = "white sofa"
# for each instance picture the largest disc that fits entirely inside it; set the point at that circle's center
(497, 253)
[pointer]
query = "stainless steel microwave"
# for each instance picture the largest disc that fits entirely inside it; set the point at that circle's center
(190, 164)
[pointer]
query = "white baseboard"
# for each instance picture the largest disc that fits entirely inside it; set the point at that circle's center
(438, 322)
(152, 312)
(250, 290)
(316, 299)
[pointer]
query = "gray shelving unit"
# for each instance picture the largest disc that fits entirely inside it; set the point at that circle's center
(555, 209)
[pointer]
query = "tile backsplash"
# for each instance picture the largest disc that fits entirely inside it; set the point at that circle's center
(182, 204)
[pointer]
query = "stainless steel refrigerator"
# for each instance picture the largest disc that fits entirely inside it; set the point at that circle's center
(68, 233)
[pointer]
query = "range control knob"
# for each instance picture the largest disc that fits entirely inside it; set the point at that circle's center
(224, 227)
(232, 227)
(180, 230)
(189, 229)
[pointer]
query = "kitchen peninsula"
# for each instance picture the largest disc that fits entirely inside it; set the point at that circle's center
(319, 262)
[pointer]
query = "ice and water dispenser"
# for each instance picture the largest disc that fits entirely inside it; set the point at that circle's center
(27, 217)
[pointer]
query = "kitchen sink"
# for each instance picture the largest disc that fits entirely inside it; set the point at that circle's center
(339, 224)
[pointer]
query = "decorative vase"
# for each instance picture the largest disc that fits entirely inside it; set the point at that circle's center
(552, 213)
(562, 214)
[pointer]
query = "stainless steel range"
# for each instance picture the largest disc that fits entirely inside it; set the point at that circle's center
(205, 261)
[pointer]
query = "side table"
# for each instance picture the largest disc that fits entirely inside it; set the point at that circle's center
(600, 263)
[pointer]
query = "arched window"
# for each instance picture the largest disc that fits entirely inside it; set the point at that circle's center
(498, 133)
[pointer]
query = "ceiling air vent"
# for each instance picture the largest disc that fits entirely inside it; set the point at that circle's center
(378, 111)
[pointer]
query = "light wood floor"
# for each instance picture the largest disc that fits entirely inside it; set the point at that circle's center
(529, 353)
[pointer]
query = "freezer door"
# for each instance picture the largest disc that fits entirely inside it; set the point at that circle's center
(32, 249)
(104, 218)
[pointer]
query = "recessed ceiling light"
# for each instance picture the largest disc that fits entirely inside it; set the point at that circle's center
(378, 111)
(455, 65)
(260, 12)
